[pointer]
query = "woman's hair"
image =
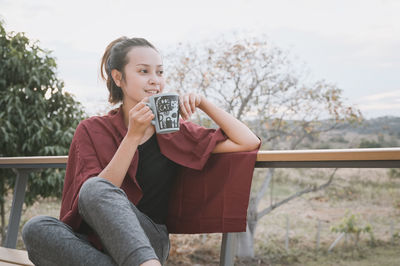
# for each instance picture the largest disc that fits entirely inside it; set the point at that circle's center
(115, 57)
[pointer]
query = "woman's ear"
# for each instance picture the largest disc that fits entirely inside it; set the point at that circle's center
(117, 77)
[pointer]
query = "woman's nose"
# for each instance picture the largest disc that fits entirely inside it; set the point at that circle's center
(154, 79)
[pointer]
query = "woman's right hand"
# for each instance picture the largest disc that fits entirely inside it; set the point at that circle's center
(140, 117)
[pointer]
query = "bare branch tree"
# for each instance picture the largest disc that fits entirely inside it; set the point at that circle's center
(257, 83)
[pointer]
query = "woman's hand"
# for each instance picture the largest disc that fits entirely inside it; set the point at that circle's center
(188, 104)
(140, 117)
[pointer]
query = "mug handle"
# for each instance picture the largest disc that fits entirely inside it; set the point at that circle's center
(153, 122)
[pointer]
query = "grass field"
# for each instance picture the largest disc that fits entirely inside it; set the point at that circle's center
(370, 194)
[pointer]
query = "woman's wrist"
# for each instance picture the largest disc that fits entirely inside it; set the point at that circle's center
(203, 103)
(132, 138)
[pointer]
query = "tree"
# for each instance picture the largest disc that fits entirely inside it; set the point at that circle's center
(257, 83)
(37, 117)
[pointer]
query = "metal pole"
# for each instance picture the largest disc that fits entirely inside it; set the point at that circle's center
(228, 251)
(16, 208)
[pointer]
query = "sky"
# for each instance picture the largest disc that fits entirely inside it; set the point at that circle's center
(353, 44)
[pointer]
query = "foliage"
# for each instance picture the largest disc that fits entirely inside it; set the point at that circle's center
(37, 116)
(369, 144)
(394, 173)
(350, 225)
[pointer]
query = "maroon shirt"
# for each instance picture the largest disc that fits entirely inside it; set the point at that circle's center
(211, 192)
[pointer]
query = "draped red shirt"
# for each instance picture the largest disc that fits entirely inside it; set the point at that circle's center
(210, 193)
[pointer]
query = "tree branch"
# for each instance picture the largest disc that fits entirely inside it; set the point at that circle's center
(295, 195)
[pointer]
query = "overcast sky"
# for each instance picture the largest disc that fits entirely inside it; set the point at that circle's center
(354, 44)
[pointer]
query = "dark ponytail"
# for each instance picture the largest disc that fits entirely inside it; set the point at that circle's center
(115, 57)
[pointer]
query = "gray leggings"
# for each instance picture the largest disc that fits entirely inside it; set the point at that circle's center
(128, 236)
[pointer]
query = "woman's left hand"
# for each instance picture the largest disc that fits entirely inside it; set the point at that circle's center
(188, 104)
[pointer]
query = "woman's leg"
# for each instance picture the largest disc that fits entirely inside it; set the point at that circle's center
(129, 236)
(51, 242)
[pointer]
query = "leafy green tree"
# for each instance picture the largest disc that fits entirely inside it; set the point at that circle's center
(37, 117)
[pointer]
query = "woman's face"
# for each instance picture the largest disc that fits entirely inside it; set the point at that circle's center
(143, 75)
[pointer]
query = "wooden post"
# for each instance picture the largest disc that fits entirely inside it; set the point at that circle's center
(391, 232)
(287, 234)
(336, 241)
(318, 233)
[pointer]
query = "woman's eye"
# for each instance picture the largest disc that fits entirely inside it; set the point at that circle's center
(143, 71)
(161, 72)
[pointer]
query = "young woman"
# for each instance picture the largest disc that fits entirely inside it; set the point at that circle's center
(121, 177)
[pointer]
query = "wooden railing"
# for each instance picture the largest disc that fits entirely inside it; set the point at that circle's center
(343, 158)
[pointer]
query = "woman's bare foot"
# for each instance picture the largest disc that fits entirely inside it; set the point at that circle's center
(151, 263)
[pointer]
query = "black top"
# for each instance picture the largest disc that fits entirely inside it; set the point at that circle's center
(155, 175)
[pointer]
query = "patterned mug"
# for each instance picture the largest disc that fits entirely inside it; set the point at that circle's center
(165, 107)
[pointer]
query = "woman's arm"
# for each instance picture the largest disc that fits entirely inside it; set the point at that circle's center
(140, 118)
(117, 168)
(240, 137)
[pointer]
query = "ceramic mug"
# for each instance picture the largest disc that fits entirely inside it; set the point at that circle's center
(165, 107)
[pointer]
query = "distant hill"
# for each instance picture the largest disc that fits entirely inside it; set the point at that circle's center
(371, 133)
(387, 124)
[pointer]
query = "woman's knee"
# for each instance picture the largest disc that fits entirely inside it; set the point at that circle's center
(92, 191)
(35, 228)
